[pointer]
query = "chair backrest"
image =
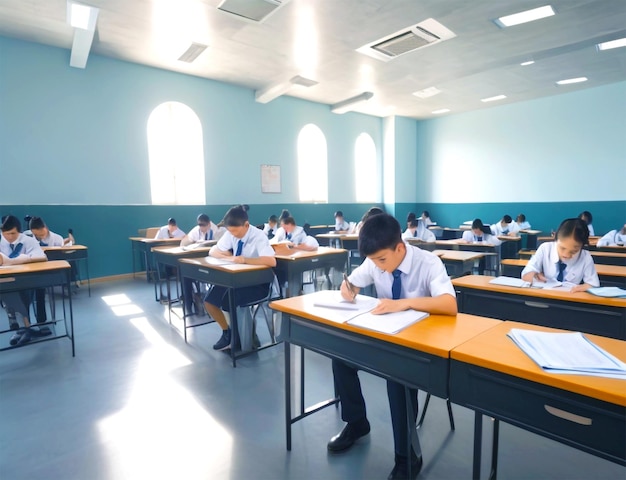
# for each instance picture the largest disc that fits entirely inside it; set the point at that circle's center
(149, 232)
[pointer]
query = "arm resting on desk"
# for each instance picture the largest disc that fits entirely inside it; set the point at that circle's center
(441, 305)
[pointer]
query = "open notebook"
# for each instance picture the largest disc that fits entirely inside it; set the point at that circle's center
(333, 307)
(509, 282)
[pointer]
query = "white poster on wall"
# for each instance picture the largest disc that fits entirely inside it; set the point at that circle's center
(270, 179)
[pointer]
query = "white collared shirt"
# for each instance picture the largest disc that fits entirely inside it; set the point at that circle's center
(420, 232)
(297, 236)
(342, 226)
(30, 250)
(164, 232)
(51, 240)
(497, 229)
(579, 269)
(613, 238)
(195, 235)
(255, 243)
(468, 236)
(523, 225)
(423, 275)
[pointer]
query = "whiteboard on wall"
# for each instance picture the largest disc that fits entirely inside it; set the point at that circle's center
(270, 178)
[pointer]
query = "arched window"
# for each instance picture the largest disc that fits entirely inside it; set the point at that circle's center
(312, 165)
(176, 156)
(365, 169)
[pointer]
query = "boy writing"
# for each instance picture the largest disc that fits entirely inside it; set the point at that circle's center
(241, 243)
(405, 277)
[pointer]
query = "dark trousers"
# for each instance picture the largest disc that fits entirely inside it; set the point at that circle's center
(348, 388)
(218, 295)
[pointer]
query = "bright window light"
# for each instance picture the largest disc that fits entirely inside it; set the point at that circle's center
(525, 64)
(79, 16)
(620, 42)
(526, 16)
(493, 99)
(571, 80)
(312, 165)
(441, 110)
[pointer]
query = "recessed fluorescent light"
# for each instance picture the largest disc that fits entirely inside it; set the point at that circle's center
(194, 50)
(529, 62)
(526, 16)
(493, 99)
(347, 105)
(427, 92)
(79, 15)
(572, 80)
(620, 42)
(441, 110)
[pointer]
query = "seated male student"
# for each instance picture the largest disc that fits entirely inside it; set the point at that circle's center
(405, 277)
(614, 238)
(294, 237)
(341, 225)
(271, 226)
(17, 248)
(242, 243)
(522, 223)
(506, 226)
(205, 230)
(416, 229)
(170, 230)
(480, 234)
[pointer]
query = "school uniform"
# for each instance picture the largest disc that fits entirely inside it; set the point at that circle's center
(523, 225)
(269, 231)
(591, 232)
(195, 235)
(470, 237)
(296, 237)
(28, 249)
(422, 275)
(253, 244)
(51, 240)
(579, 269)
(420, 233)
(164, 232)
(613, 238)
(342, 226)
(427, 221)
(497, 229)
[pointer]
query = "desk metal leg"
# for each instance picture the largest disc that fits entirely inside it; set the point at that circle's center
(478, 439)
(234, 329)
(287, 347)
(494, 450)
(413, 442)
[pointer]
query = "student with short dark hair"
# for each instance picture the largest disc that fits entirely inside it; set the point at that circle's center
(341, 225)
(205, 230)
(426, 218)
(480, 234)
(564, 259)
(417, 230)
(506, 226)
(271, 226)
(294, 237)
(586, 217)
(15, 249)
(242, 243)
(43, 235)
(170, 230)
(614, 238)
(521, 222)
(405, 277)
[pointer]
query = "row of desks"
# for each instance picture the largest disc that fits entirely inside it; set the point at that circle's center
(469, 360)
(599, 257)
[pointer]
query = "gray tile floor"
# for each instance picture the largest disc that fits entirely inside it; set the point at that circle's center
(138, 403)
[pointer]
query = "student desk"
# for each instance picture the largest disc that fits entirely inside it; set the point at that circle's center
(144, 246)
(346, 241)
(599, 257)
(458, 263)
(608, 249)
(292, 266)
(579, 311)
(486, 249)
(510, 246)
(73, 254)
(531, 238)
(492, 376)
(231, 276)
(169, 256)
(610, 275)
(451, 233)
(319, 229)
(27, 276)
(417, 357)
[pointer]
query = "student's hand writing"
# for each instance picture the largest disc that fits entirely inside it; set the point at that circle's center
(346, 292)
(388, 305)
(541, 277)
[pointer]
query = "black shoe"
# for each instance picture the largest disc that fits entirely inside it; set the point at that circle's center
(25, 338)
(350, 434)
(17, 336)
(224, 342)
(401, 471)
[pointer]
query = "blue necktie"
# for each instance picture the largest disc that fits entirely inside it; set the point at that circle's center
(42, 243)
(478, 239)
(396, 287)
(210, 234)
(16, 250)
(289, 236)
(206, 235)
(415, 233)
(239, 248)
(559, 277)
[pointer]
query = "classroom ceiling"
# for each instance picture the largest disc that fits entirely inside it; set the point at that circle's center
(318, 40)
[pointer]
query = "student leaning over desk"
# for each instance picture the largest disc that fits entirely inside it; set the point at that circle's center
(613, 238)
(15, 249)
(480, 234)
(417, 230)
(564, 260)
(170, 230)
(405, 278)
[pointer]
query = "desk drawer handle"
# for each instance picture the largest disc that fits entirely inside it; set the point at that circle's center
(203, 271)
(537, 304)
(7, 279)
(572, 417)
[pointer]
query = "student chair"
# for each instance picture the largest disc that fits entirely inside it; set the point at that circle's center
(247, 333)
(425, 407)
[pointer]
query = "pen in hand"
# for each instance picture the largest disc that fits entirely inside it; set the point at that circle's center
(350, 287)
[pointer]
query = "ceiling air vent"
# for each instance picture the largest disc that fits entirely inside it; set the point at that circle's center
(253, 10)
(407, 40)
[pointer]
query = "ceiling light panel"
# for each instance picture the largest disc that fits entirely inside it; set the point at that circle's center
(525, 16)
(620, 42)
(569, 81)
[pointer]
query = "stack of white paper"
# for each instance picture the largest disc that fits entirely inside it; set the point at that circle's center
(509, 282)
(568, 353)
(608, 292)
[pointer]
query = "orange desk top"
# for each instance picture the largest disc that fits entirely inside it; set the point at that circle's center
(608, 270)
(492, 349)
(228, 267)
(342, 236)
(481, 282)
(302, 254)
(65, 247)
(155, 240)
(437, 334)
(182, 251)
(458, 255)
(6, 270)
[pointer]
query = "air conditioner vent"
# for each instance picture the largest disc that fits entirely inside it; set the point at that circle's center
(407, 40)
(192, 52)
(254, 10)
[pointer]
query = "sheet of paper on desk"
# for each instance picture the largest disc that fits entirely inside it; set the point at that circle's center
(332, 306)
(217, 261)
(609, 292)
(509, 282)
(389, 322)
(571, 353)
